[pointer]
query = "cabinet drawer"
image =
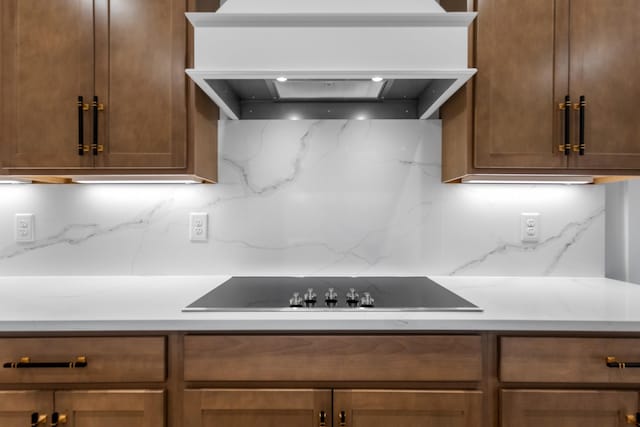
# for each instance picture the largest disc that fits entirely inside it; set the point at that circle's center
(130, 359)
(332, 358)
(568, 360)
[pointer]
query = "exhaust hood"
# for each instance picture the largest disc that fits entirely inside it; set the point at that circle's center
(330, 59)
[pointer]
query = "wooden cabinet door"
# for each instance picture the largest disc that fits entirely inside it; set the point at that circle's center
(16, 407)
(264, 408)
(131, 408)
(140, 62)
(521, 47)
(47, 60)
(527, 408)
(605, 65)
(407, 408)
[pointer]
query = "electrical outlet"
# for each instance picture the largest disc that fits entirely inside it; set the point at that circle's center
(530, 227)
(198, 226)
(25, 228)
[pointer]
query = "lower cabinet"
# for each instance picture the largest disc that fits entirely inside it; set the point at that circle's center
(319, 408)
(257, 407)
(560, 408)
(82, 408)
(407, 408)
(569, 381)
(17, 408)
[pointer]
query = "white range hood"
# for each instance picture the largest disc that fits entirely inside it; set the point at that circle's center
(324, 59)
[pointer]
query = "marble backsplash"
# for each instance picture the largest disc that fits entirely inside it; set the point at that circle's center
(309, 198)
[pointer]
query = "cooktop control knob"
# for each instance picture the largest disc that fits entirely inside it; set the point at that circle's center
(296, 300)
(331, 298)
(366, 301)
(310, 298)
(352, 298)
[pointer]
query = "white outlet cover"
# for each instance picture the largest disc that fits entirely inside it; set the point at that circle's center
(198, 226)
(530, 227)
(24, 228)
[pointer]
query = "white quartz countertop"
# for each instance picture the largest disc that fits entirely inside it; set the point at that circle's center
(154, 303)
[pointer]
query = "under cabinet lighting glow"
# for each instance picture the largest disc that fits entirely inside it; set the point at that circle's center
(133, 179)
(14, 181)
(282, 79)
(376, 79)
(527, 179)
(146, 181)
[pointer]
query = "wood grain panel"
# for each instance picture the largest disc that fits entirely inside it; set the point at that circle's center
(521, 77)
(109, 359)
(382, 408)
(140, 62)
(333, 358)
(47, 51)
(16, 407)
(567, 360)
(457, 134)
(605, 63)
(263, 407)
(527, 408)
(127, 408)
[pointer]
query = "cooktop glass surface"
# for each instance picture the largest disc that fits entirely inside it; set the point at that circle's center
(331, 294)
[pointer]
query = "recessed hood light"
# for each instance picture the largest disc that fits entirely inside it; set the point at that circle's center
(282, 79)
(376, 79)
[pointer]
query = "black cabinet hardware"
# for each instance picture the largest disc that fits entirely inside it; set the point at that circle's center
(613, 363)
(25, 362)
(37, 419)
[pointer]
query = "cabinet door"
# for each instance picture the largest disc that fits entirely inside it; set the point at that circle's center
(522, 76)
(132, 408)
(140, 63)
(386, 408)
(525, 408)
(250, 408)
(47, 59)
(16, 407)
(605, 65)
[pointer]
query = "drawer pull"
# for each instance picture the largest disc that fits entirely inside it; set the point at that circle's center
(634, 419)
(323, 419)
(57, 418)
(25, 362)
(343, 418)
(613, 363)
(37, 419)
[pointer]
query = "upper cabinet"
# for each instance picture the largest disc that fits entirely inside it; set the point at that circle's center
(554, 91)
(98, 87)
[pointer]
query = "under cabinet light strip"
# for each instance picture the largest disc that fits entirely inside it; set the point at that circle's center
(524, 179)
(14, 181)
(176, 181)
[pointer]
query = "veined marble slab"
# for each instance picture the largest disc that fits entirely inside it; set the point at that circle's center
(328, 197)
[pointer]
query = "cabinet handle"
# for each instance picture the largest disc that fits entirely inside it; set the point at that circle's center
(582, 106)
(634, 419)
(613, 363)
(323, 419)
(82, 107)
(343, 418)
(95, 147)
(37, 419)
(57, 418)
(25, 362)
(566, 107)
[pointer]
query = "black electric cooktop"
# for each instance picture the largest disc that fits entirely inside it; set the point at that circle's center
(331, 294)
